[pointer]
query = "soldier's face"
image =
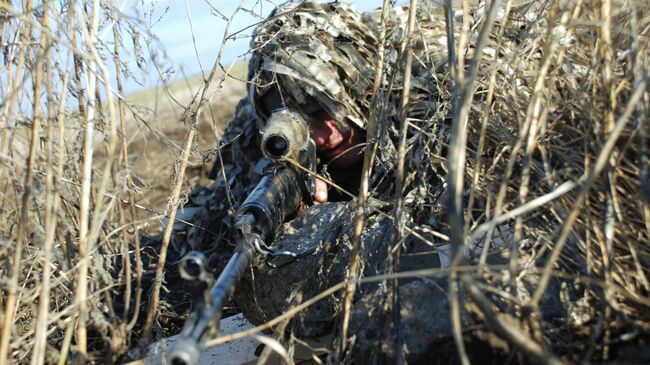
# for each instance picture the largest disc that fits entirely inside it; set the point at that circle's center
(337, 148)
(340, 150)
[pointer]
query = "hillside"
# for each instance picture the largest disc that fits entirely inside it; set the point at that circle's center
(156, 135)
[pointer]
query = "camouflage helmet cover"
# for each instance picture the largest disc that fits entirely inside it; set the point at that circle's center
(312, 56)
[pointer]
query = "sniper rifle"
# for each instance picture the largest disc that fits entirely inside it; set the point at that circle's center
(278, 194)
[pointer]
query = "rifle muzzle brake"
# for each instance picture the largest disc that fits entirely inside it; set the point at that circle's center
(186, 352)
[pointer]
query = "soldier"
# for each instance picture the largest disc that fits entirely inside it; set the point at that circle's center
(319, 60)
(548, 109)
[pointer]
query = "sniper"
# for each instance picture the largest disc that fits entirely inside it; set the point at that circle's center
(348, 117)
(311, 92)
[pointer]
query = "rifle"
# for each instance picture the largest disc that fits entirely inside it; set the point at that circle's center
(277, 195)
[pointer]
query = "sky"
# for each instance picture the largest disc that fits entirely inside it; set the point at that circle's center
(186, 56)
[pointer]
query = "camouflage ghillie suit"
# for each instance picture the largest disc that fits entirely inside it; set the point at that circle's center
(526, 136)
(322, 56)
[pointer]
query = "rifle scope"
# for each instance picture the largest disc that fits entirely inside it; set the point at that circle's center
(286, 134)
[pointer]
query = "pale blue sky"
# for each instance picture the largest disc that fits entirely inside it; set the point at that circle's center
(171, 25)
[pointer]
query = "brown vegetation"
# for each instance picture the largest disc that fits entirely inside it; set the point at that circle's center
(548, 154)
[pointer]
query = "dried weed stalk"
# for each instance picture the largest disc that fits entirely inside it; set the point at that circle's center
(546, 163)
(73, 208)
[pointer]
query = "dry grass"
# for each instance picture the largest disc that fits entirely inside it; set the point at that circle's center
(549, 154)
(86, 171)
